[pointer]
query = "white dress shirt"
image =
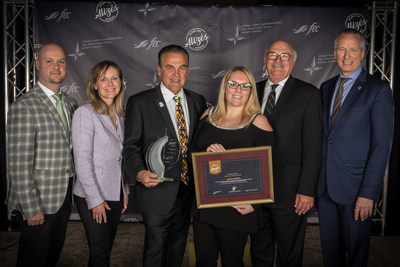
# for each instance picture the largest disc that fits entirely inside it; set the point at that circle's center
(170, 102)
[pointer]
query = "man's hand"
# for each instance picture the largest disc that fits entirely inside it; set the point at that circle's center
(148, 179)
(363, 208)
(303, 204)
(38, 219)
(244, 209)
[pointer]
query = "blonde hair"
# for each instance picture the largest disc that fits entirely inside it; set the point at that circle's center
(94, 98)
(252, 105)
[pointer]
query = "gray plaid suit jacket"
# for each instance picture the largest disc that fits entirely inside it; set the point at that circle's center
(39, 153)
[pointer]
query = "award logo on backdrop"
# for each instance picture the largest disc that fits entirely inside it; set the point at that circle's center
(216, 38)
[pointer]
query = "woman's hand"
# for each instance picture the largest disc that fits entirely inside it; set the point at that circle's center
(244, 209)
(215, 148)
(99, 212)
(125, 204)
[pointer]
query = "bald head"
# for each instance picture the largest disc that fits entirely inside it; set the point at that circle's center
(52, 66)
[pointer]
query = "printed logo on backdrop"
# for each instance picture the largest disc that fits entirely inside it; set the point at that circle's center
(307, 29)
(99, 43)
(253, 28)
(264, 72)
(319, 61)
(146, 9)
(59, 15)
(236, 36)
(356, 21)
(313, 67)
(76, 53)
(36, 47)
(220, 74)
(70, 89)
(147, 44)
(197, 39)
(154, 82)
(106, 11)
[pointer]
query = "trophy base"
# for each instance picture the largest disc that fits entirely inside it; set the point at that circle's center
(163, 179)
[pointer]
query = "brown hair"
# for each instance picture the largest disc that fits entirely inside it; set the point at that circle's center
(94, 98)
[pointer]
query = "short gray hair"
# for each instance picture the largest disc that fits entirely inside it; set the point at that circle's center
(351, 31)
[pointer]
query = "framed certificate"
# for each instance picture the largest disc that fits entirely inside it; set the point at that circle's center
(233, 177)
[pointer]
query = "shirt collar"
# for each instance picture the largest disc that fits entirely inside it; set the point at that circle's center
(168, 95)
(281, 83)
(354, 75)
(47, 91)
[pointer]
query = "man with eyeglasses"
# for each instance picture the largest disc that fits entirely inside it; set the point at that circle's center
(293, 108)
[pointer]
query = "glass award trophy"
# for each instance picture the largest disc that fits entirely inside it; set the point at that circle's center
(162, 155)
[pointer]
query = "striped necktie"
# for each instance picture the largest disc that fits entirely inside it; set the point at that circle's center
(338, 100)
(270, 105)
(183, 138)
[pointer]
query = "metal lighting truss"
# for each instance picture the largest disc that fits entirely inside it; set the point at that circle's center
(19, 72)
(382, 45)
(18, 61)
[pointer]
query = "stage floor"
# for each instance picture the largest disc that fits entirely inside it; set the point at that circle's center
(128, 248)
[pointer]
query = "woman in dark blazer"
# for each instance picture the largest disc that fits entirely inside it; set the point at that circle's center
(101, 191)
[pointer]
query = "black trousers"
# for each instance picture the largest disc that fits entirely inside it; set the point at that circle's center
(288, 230)
(210, 241)
(42, 245)
(165, 235)
(100, 236)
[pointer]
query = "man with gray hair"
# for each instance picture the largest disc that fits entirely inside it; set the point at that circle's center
(357, 114)
(293, 108)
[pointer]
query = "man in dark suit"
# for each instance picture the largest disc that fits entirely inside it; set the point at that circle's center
(40, 160)
(293, 108)
(357, 137)
(150, 115)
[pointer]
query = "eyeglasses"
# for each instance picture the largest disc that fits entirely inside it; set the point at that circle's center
(243, 86)
(274, 55)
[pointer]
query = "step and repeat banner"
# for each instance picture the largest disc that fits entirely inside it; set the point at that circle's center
(216, 37)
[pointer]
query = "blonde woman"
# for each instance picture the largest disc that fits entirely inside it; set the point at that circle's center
(235, 122)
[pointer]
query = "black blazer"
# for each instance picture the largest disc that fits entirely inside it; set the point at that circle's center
(147, 118)
(297, 124)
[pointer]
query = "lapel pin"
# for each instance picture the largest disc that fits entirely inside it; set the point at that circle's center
(161, 104)
(359, 87)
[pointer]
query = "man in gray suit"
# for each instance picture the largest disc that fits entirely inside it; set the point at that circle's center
(40, 161)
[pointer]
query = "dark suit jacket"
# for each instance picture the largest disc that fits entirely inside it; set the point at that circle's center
(296, 121)
(147, 118)
(356, 149)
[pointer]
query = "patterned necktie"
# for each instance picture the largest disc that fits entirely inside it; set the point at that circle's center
(270, 105)
(338, 100)
(183, 138)
(60, 111)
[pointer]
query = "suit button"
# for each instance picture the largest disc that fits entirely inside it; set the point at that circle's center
(119, 158)
(330, 141)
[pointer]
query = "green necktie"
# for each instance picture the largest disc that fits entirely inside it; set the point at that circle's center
(60, 111)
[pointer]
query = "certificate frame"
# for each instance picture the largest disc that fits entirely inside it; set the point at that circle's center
(222, 170)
